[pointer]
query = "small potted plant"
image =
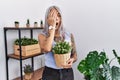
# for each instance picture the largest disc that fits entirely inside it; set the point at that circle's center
(41, 23)
(61, 53)
(35, 24)
(28, 23)
(16, 24)
(28, 71)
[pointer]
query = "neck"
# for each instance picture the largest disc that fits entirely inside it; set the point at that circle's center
(57, 34)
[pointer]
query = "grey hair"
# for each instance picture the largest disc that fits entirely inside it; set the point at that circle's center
(46, 26)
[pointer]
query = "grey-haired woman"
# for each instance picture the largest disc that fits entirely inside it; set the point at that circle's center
(54, 32)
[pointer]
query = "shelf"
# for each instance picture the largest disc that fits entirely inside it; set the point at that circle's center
(23, 57)
(21, 28)
(37, 75)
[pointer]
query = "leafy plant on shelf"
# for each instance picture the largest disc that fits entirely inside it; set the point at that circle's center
(28, 22)
(25, 41)
(41, 22)
(16, 22)
(28, 69)
(96, 66)
(61, 48)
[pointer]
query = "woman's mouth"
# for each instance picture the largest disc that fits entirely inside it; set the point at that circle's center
(56, 24)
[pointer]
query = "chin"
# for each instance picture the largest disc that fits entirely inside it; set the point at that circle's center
(56, 29)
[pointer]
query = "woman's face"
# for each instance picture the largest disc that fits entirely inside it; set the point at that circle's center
(57, 17)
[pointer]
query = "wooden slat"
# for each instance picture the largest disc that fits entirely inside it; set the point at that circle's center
(23, 57)
(21, 28)
(27, 50)
(37, 75)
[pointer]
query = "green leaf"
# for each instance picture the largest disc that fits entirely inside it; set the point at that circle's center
(115, 73)
(25, 41)
(61, 48)
(91, 64)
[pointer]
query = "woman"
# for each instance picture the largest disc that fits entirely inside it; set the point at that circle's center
(54, 32)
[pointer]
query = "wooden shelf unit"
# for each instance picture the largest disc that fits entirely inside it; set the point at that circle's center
(20, 58)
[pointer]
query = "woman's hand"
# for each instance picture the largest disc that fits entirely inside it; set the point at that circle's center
(69, 63)
(51, 19)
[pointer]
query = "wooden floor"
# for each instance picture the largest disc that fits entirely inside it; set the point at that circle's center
(37, 75)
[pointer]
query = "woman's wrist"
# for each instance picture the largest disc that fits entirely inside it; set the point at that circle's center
(52, 28)
(73, 59)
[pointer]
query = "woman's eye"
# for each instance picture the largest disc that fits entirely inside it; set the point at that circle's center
(58, 15)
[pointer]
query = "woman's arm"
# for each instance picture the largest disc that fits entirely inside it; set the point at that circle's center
(73, 57)
(73, 52)
(46, 42)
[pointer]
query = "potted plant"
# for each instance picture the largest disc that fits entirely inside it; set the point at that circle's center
(35, 24)
(96, 66)
(61, 53)
(28, 71)
(16, 24)
(28, 23)
(41, 23)
(28, 46)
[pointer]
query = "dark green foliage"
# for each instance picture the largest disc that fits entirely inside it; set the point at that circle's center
(115, 73)
(25, 41)
(28, 69)
(90, 66)
(115, 54)
(35, 22)
(16, 22)
(97, 67)
(28, 22)
(61, 48)
(41, 22)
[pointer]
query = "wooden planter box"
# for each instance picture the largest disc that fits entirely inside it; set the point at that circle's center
(27, 50)
(61, 59)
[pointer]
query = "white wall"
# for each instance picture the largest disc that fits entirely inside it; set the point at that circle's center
(94, 23)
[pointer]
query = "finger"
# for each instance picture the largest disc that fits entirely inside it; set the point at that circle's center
(49, 15)
(53, 13)
(67, 66)
(68, 60)
(50, 12)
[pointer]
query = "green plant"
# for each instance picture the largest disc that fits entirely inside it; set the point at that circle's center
(97, 66)
(41, 22)
(111, 72)
(16, 22)
(61, 48)
(35, 22)
(90, 65)
(28, 69)
(28, 22)
(25, 41)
